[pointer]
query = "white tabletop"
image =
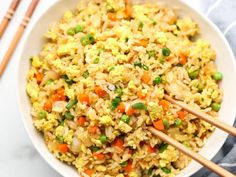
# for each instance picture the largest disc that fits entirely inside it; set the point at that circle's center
(18, 157)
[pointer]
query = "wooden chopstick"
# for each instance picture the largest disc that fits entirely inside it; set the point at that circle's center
(7, 18)
(18, 35)
(203, 116)
(197, 157)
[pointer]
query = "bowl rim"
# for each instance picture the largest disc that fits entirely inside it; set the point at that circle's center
(21, 49)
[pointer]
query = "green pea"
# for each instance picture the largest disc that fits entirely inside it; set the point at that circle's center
(178, 122)
(166, 52)
(85, 74)
(215, 106)
(103, 139)
(71, 31)
(86, 40)
(60, 139)
(194, 74)
(48, 82)
(152, 53)
(162, 60)
(68, 115)
(96, 60)
(166, 170)
(218, 76)
(124, 164)
(71, 104)
(78, 29)
(163, 147)
(139, 106)
(157, 80)
(125, 118)
(166, 123)
(42, 114)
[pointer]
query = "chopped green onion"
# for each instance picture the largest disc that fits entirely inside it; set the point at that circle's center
(178, 122)
(115, 103)
(71, 104)
(166, 52)
(125, 118)
(126, 39)
(166, 170)
(124, 164)
(157, 80)
(145, 67)
(109, 8)
(194, 74)
(78, 29)
(118, 91)
(163, 147)
(166, 123)
(139, 64)
(67, 80)
(60, 139)
(42, 114)
(218, 76)
(95, 148)
(85, 74)
(68, 115)
(152, 53)
(86, 40)
(111, 68)
(96, 60)
(71, 31)
(48, 82)
(103, 139)
(61, 122)
(215, 106)
(139, 106)
(140, 26)
(149, 172)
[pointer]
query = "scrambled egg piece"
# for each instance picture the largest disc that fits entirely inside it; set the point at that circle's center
(122, 32)
(187, 26)
(161, 37)
(68, 136)
(69, 92)
(68, 15)
(169, 155)
(112, 44)
(36, 62)
(124, 127)
(155, 111)
(68, 48)
(133, 174)
(117, 73)
(60, 130)
(131, 85)
(72, 71)
(106, 120)
(32, 90)
(139, 13)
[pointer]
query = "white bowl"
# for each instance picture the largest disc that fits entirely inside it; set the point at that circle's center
(225, 62)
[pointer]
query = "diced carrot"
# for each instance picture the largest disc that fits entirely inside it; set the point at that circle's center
(164, 104)
(159, 125)
(99, 91)
(142, 42)
(84, 98)
(59, 96)
(146, 78)
(63, 148)
(119, 143)
(182, 59)
(129, 167)
(93, 129)
(110, 155)
(112, 16)
(88, 172)
(128, 9)
(181, 115)
(99, 156)
(141, 95)
(81, 121)
(151, 149)
(48, 105)
(121, 107)
(130, 111)
(39, 77)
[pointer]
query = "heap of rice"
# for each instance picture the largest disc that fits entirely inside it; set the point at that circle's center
(99, 82)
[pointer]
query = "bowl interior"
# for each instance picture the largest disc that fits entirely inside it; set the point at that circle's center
(225, 62)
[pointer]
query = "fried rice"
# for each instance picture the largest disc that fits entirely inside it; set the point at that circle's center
(99, 81)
